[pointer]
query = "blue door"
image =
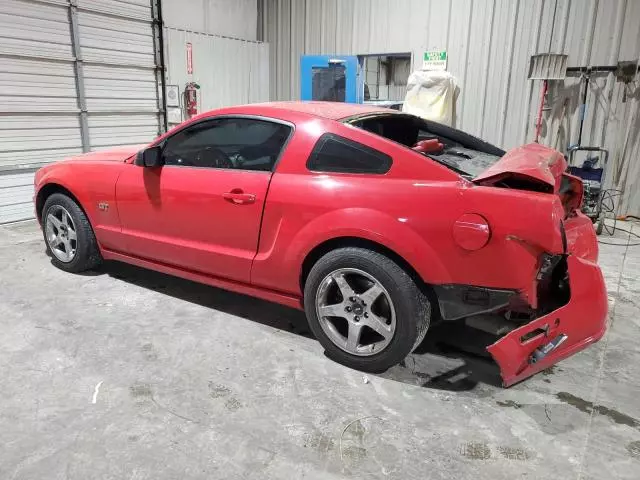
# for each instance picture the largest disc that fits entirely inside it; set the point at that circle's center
(331, 78)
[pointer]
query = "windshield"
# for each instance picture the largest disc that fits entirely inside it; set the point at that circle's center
(457, 150)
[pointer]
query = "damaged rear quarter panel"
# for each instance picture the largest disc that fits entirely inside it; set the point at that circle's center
(522, 227)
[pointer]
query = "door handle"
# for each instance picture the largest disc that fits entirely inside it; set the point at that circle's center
(238, 197)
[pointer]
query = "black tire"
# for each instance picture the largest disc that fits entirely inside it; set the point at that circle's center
(412, 307)
(87, 255)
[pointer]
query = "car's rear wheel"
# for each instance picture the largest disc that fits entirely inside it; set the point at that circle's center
(68, 234)
(366, 311)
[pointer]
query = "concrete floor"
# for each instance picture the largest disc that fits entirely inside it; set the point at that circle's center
(129, 374)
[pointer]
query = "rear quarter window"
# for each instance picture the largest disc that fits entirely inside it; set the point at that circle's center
(333, 153)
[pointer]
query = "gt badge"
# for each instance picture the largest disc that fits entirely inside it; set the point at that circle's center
(104, 206)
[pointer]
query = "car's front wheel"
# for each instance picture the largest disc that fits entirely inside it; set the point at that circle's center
(366, 311)
(68, 234)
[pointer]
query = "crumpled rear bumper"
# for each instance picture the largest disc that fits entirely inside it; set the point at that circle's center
(582, 321)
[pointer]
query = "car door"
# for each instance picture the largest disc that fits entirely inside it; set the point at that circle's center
(201, 210)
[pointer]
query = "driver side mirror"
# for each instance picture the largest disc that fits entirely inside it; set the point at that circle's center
(150, 157)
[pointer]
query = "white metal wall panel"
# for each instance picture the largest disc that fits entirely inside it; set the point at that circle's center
(38, 107)
(229, 71)
(36, 85)
(116, 39)
(120, 41)
(112, 88)
(16, 192)
(34, 29)
(285, 48)
(30, 141)
(139, 9)
(109, 131)
(229, 18)
(489, 43)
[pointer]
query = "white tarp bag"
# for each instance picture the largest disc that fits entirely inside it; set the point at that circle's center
(431, 95)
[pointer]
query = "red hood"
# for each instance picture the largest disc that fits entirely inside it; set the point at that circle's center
(534, 161)
(117, 154)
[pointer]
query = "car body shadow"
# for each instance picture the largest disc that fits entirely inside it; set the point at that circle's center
(452, 357)
(86, 273)
(251, 308)
(438, 363)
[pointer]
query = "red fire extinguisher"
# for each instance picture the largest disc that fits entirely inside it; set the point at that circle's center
(191, 99)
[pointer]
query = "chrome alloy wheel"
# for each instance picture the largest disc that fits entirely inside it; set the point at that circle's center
(61, 233)
(356, 312)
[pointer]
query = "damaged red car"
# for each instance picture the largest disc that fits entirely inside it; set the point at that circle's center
(377, 223)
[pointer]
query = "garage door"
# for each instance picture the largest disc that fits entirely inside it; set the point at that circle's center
(39, 119)
(116, 39)
(59, 97)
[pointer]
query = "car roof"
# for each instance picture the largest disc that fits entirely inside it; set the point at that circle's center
(329, 110)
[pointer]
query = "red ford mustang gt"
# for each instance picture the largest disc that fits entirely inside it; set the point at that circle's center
(375, 222)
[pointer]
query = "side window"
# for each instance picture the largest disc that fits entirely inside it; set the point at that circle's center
(333, 153)
(237, 143)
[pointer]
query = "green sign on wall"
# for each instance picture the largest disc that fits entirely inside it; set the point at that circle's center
(434, 60)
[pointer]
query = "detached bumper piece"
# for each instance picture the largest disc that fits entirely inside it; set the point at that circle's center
(560, 333)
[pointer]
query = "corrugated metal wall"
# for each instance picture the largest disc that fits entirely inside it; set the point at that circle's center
(229, 71)
(40, 104)
(489, 43)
